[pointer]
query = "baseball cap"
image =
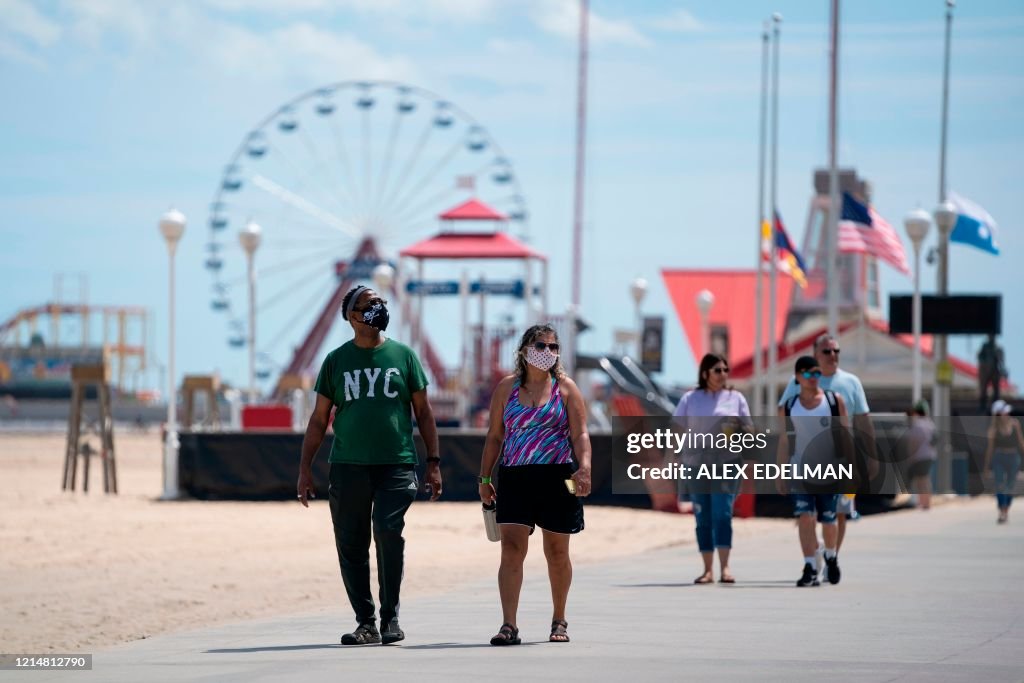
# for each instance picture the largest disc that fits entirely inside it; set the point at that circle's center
(1001, 407)
(806, 363)
(922, 407)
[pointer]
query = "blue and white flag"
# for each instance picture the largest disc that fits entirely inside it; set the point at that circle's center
(974, 225)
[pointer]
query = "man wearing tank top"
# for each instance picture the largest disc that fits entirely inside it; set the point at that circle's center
(811, 415)
(848, 386)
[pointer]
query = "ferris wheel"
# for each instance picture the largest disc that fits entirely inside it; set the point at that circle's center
(323, 176)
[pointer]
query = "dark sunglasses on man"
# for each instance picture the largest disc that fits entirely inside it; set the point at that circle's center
(829, 352)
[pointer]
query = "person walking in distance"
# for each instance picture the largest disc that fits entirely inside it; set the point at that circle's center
(1003, 454)
(848, 386)
(376, 384)
(538, 430)
(813, 413)
(921, 453)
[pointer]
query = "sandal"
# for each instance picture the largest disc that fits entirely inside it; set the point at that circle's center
(704, 578)
(558, 631)
(507, 635)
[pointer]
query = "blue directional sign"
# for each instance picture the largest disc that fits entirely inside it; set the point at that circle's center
(432, 288)
(512, 288)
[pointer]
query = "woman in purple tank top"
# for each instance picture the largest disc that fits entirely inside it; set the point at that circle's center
(538, 437)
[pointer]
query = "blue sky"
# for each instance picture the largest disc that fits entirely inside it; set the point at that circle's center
(116, 110)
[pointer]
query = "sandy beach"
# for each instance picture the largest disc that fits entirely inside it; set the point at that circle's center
(86, 571)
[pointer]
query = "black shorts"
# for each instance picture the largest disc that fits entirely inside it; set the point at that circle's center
(536, 495)
(921, 468)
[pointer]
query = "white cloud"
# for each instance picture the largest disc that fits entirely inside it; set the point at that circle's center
(22, 19)
(562, 18)
(270, 6)
(13, 53)
(505, 47)
(92, 21)
(433, 11)
(125, 32)
(680, 21)
(303, 50)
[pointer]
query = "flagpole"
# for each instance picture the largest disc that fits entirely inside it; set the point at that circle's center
(832, 225)
(758, 383)
(950, 4)
(940, 392)
(773, 346)
(569, 359)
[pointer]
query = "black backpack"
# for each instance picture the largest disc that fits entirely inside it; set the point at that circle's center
(830, 396)
(840, 437)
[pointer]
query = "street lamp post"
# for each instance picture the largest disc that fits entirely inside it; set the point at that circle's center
(172, 227)
(945, 218)
(249, 238)
(917, 224)
(383, 276)
(705, 300)
(639, 290)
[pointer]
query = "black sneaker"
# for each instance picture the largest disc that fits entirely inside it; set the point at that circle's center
(832, 569)
(809, 578)
(391, 632)
(365, 634)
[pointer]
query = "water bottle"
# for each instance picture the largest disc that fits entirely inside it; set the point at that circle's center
(491, 521)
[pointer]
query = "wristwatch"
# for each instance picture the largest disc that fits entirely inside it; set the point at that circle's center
(484, 480)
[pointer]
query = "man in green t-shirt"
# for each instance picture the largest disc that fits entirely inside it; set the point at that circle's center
(375, 384)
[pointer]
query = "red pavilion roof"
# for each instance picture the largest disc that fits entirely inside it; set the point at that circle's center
(469, 245)
(472, 210)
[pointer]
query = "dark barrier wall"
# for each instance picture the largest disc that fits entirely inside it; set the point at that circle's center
(265, 466)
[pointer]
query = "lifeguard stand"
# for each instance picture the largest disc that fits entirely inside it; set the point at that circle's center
(83, 377)
(208, 386)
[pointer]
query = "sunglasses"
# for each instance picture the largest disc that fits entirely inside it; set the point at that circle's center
(720, 371)
(540, 346)
(814, 374)
(829, 352)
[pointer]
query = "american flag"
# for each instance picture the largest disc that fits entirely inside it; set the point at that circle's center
(863, 231)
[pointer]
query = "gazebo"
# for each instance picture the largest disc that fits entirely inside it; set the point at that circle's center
(452, 244)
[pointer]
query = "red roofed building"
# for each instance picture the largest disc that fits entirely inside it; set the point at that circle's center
(473, 210)
(471, 245)
(486, 347)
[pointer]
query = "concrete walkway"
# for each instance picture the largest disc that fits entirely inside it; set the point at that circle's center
(924, 597)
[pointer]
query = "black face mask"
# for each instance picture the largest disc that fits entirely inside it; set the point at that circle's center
(377, 316)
